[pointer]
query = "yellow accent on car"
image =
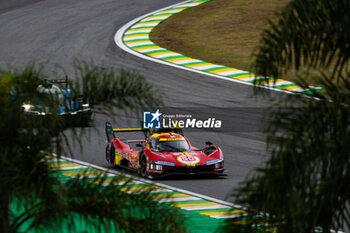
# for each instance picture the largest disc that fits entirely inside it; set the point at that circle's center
(118, 157)
(156, 135)
(127, 129)
(171, 139)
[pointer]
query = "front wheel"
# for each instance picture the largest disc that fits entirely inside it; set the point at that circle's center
(143, 166)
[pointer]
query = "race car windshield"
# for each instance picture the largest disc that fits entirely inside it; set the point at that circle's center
(174, 146)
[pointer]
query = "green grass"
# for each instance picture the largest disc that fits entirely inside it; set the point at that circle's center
(223, 32)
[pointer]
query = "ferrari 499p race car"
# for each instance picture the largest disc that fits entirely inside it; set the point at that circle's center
(163, 152)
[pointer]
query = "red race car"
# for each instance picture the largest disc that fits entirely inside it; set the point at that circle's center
(163, 152)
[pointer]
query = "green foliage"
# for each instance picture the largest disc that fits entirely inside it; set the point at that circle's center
(311, 33)
(104, 208)
(99, 83)
(304, 183)
(43, 201)
(303, 187)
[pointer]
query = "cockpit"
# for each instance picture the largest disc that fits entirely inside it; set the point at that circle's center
(176, 144)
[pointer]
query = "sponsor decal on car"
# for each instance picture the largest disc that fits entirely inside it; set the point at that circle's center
(165, 163)
(212, 161)
(188, 159)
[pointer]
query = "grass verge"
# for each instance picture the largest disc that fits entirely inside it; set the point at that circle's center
(224, 32)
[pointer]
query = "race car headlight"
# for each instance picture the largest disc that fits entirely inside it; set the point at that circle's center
(219, 164)
(27, 107)
(155, 167)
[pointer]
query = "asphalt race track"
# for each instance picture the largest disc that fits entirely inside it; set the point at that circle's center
(55, 32)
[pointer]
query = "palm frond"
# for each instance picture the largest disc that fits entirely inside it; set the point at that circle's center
(32, 197)
(303, 185)
(110, 89)
(308, 33)
(101, 208)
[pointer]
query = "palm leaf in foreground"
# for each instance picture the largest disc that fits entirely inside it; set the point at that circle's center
(104, 208)
(123, 90)
(304, 185)
(32, 197)
(310, 33)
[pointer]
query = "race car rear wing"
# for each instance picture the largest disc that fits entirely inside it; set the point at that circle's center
(147, 132)
(58, 81)
(110, 131)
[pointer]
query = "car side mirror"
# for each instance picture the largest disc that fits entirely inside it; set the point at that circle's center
(208, 143)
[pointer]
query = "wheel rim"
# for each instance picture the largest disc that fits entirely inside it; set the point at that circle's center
(143, 166)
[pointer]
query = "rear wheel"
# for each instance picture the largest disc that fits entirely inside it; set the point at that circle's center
(110, 154)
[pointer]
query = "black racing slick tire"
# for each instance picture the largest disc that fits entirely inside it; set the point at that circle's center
(110, 154)
(143, 166)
